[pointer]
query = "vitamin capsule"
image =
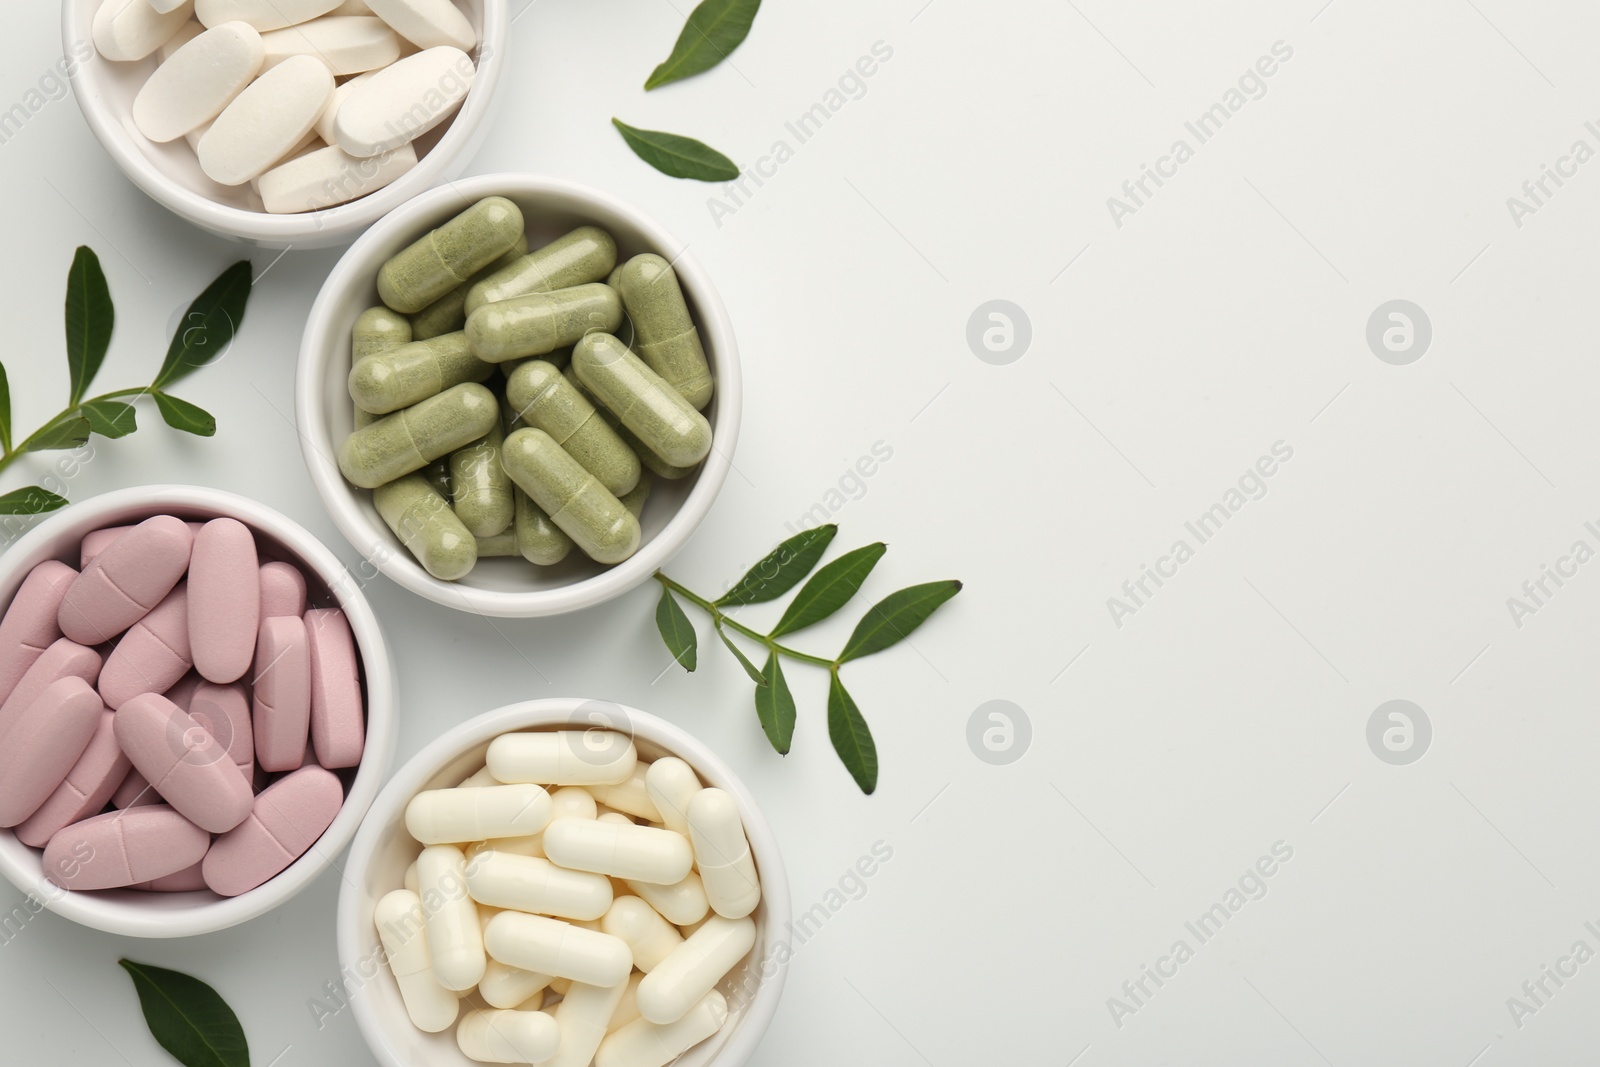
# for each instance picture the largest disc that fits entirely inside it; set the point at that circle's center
(643, 1043)
(201, 78)
(401, 103)
(542, 322)
(507, 1036)
(224, 600)
(550, 946)
(31, 622)
(400, 922)
(441, 816)
(666, 338)
(585, 255)
(563, 757)
(650, 937)
(630, 796)
(583, 1015)
(574, 499)
(634, 499)
(627, 1007)
(449, 313)
(265, 121)
(505, 986)
(500, 546)
(428, 24)
(722, 854)
(652, 462)
(121, 848)
(449, 255)
(526, 883)
(427, 526)
(642, 400)
(482, 490)
(538, 539)
(410, 881)
(671, 784)
(455, 939)
(682, 903)
(694, 968)
(438, 475)
(410, 439)
(644, 853)
(413, 372)
(539, 395)
(46, 742)
(377, 330)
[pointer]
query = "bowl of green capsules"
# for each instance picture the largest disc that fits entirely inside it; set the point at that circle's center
(518, 396)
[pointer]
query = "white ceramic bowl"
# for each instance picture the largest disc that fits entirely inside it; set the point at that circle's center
(171, 174)
(136, 914)
(383, 850)
(508, 587)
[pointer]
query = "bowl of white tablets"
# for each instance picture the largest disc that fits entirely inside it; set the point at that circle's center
(564, 882)
(518, 396)
(285, 122)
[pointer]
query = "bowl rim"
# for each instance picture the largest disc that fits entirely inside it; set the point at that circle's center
(378, 544)
(328, 226)
(556, 712)
(22, 865)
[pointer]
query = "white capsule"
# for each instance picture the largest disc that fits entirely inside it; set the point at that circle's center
(722, 853)
(563, 757)
(443, 816)
(401, 928)
(410, 881)
(455, 941)
(630, 796)
(125, 30)
(504, 880)
(583, 1014)
(671, 784)
(508, 1036)
(532, 845)
(614, 818)
(190, 89)
(681, 904)
(505, 986)
(553, 947)
(403, 101)
(478, 778)
(642, 853)
(694, 968)
(627, 1007)
(572, 802)
(643, 1043)
(650, 938)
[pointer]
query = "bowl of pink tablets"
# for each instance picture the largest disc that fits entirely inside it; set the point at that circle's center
(196, 711)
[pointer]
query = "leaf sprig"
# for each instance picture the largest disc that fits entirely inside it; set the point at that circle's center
(887, 623)
(207, 328)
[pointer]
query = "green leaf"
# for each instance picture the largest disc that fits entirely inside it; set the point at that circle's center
(678, 157)
(851, 737)
(110, 418)
(66, 433)
(714, 29)
(676, 631)
(207, 328)
(188, 1018)
(782, 568)
(892, 619)
(5, 409)
(182, 415)
(830, 589)
(744, 660)
(90, 317)
(775, 706)
(30, 501)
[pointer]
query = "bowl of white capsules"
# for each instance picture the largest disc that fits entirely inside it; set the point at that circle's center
(564, 882)
(285, 122)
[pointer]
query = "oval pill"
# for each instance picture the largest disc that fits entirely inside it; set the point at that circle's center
(541, 397)
(402, 102)
(127, 580)
(31, 622)
(265, 121)
(455, 937)
(134, 791)
(224, 600)
(188, 880)
(722, 854)
(650, 937)
(642, 400)
(694, 968)
(88, 786)
(550, 946)
(97, 541)
(443, 816)
(587, 254)
(261, 14)
(338, 722)
(563, 757)
(671, 784)
(508, 1036)
(399, 919)
(481, 491)
(192, 87)
(538, 323)
(223, 711)
(530, 884)
(329, 176)
(347, 44)
(426, 525)
(427, 23)
(126, 30)
(584, 509)
(414, 437)
(120, 848)
(283, 590)
(642, 1043)
(413, 372)
(644, 853)
(281, 694)
(681, 904)
(153, 655)
(286, 820)
(438, 262)
(63, 659)
(185, 764)
(45, 743)
(665, 334)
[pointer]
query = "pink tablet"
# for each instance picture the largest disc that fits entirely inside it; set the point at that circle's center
(282, 690)
(337, 724)
(30, 624)
(89, 785)
(126, 581)
(43, 746)
(152, 656)
(288, 818)
(224, 600)
(120, 848)
(186, 765)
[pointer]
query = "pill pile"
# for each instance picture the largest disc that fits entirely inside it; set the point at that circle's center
(312, 102)
(569, 868)
(178, 679)
(564, 447)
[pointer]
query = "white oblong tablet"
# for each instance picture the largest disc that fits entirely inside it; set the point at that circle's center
(404, 101)
(201, 78)
(186, 33)
(341, 93)
(427, 23)
(329, 176)
(125, 30)
(266, 120)
(347, 44)
(262, 14)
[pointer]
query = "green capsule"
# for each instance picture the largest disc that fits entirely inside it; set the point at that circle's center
(377, 330)
(584, 509)
(480, 487)
(438, 475)
(449, 313)
(587, 254)
(542, 322)
(542, 398)
(634, 499)
(656, 413)
(648, 459)
(538, 539)
(665, 337)
(411, 373)
(501, 544)
(450, 255)
(414, 437)
(424, 523)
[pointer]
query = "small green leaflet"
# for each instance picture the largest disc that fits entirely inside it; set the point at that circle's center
(182, 415)
(744, 660)
(830, 589)
(61, 434)
(850, 736)
(676, 631)
(781, 569)
(90, 317)
(30, 501)
(110, 418)
(893, 618)
(676, 156)
(207, 328)
(5, 409)
(775, 706)
(714, 30)
(188, 1018)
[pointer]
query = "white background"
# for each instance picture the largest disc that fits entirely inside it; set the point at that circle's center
(1228, 714)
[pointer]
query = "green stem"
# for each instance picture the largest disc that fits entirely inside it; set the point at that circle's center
(11, 455)
(720, 616)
